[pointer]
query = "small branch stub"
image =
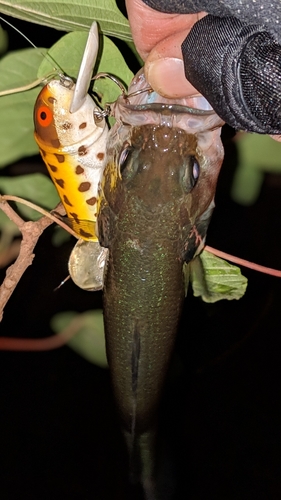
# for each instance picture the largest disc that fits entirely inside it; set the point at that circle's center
(31, 231)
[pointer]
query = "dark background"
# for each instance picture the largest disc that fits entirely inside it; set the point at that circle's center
(220, 417)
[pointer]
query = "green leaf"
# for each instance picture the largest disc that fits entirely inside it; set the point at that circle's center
(7, 226)
(16, 111)
(257, 155)
(215, 279)
(21, 67)
(59, 236)
(34, 187)
(112, 62)
(70, 15)
(3, 41)
(68, 53)
(89, 340)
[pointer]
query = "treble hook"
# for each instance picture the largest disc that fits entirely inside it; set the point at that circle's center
(125, 96)
(113, 78)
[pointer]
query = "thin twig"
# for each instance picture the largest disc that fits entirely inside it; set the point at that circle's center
(42, 211)
(45, 344)
(29, 86)
(31, 231)
(244, 263)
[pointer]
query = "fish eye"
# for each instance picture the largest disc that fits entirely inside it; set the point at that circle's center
(191, 172)
(195, 170)
(123, 157)
(125, 163)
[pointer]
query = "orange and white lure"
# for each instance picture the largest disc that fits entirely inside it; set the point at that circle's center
(71, 133)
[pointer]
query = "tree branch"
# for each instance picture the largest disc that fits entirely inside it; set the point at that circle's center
(31, 231)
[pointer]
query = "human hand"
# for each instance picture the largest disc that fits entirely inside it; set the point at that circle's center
(158, 38)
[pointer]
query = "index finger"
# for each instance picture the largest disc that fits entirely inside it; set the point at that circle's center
(158, 38)
(149, 26)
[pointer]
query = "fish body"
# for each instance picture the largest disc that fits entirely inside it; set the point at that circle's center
(156, 201)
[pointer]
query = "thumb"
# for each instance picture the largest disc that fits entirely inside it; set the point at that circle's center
(164, 68)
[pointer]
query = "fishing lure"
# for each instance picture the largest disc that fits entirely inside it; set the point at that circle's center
(71, 133)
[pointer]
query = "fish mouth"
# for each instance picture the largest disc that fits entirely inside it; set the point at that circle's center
(140, 92)
(170, 114)
(142, 105)
(196, 104)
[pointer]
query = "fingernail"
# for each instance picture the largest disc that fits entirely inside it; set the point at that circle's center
(166, 76)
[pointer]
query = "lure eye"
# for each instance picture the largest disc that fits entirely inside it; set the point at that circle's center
(44, 116)
(191, 174)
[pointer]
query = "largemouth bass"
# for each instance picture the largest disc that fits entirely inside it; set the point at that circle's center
(156, 200)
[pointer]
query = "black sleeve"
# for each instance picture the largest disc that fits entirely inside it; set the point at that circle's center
(238, 69)
(234, 64)
(264, 12)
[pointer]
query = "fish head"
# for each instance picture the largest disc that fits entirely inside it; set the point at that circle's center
(163, 158)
